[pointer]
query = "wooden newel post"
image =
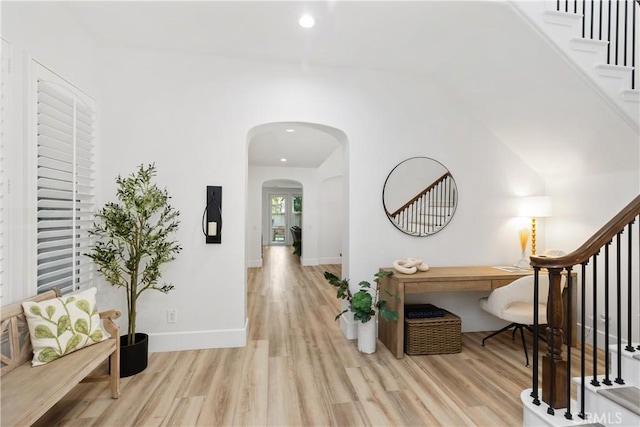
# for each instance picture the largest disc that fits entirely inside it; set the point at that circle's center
(554, 369)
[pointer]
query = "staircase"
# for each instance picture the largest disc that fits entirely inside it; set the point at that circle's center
(608, 266)
(425, 217)
(608, 405)
(429, 210)
(600, 37)
(613, 405)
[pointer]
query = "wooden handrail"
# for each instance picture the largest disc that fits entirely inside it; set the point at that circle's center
(592, 245)
(422, 193)
(556, 388)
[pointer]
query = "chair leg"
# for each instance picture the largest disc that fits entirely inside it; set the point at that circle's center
(509, 326)
(540, 336)
(516, 327)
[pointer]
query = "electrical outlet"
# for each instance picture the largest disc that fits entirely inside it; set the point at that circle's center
(172, 316)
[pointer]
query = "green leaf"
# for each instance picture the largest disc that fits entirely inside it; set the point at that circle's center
(70, 300)
(64, 324)
(385, 273)
(81, 326)
(395, 297)
(51, 310)
(364, 284)
(83, 305)
(331, 278)
(96, 336)
(389, 315)
(35, 310)
(364, 317)
(43, 331)
(362, 301)
(73, 343)
(342, 286)
(47, 355)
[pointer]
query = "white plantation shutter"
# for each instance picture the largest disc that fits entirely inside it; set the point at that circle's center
(65, 128)
(6, 80)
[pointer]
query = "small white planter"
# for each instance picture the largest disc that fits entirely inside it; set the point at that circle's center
(367, 336)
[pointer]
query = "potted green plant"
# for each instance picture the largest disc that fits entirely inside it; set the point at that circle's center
(364, 304)
(133, 242)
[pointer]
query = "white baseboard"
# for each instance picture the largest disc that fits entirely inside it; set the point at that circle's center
(198, 340)
(330, 260)
(254, 263)
(308, 261)
(304, 261)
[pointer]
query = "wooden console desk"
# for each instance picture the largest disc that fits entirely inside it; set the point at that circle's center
(444, 279)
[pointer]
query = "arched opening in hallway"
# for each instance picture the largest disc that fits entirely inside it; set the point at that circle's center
(307, 159)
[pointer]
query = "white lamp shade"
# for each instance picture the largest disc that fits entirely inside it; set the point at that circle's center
(535, 207)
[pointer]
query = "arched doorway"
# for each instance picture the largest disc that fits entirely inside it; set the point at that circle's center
(299, 156)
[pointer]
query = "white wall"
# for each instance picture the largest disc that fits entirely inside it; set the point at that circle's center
(330, 221)
(596, 197)
(191, 114)
(332, 237)
(582, 204)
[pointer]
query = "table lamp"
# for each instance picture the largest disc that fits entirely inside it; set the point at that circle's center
(534, 207)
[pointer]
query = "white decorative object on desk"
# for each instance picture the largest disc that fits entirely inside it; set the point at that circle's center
(409, 265)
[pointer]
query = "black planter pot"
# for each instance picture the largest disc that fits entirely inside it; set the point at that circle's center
(133, 358)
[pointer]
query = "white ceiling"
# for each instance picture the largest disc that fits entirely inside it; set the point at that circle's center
(488, 58)
(355, 34)
(305, 147)
(392, 35)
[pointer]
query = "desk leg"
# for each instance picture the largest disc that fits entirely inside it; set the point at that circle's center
(392, 333)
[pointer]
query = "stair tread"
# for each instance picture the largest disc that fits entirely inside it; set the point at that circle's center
(627, 397)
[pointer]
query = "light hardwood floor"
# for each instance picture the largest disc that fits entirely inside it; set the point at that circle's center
(299, 370)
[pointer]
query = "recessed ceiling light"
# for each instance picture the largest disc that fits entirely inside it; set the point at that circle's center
(289, 130)
(283, 160)
(307, 21)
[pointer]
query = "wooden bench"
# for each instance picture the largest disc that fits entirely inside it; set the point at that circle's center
(28, 392)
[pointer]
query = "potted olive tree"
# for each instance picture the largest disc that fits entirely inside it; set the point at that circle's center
(364, 304)
(133, 242)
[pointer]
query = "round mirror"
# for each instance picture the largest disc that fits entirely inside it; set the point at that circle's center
(420, 196)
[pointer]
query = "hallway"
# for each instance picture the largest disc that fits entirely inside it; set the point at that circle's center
(299, 370)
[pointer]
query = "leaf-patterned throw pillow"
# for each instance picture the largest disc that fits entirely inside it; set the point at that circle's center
(62, 325)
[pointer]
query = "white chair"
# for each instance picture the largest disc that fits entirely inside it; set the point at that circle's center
(514, 303)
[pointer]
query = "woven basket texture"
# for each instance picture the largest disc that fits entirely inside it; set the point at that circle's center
(436, 335)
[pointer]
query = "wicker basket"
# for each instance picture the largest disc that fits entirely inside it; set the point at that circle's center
(436, 335)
